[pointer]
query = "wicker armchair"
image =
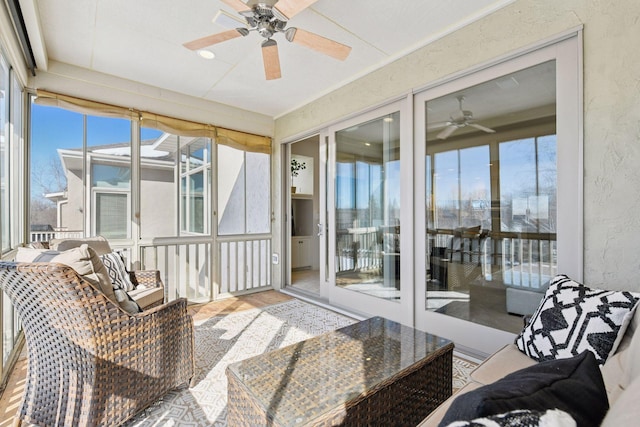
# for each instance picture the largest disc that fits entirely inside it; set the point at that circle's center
(89, 362)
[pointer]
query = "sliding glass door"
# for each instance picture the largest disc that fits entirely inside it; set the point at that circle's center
(370, 218)
(497, 207)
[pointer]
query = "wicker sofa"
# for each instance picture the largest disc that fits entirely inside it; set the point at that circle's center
(620, 372)
(89, 362)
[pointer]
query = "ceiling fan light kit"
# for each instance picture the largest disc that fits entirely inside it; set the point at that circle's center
(267, 18)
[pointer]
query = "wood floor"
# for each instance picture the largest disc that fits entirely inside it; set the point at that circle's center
(10, 399)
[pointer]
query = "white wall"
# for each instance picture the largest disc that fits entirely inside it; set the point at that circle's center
(611, 110)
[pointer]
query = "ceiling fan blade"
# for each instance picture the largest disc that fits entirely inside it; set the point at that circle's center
(437, 125)
(271, 59)
(318, 43)
(447, 131)
(483, 128)
(289, 8)
(216, 38)
(238, 5)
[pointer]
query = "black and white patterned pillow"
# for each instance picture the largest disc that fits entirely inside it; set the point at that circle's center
(572, 318)
(521, 418)
(117, 271)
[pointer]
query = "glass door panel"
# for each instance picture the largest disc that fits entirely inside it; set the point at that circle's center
(367, 207)
(495, 215)
(491, 183)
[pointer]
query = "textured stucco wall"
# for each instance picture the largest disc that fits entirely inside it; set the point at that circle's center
(611, 110)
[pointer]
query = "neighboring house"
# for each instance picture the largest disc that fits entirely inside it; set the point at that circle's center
(109, 189)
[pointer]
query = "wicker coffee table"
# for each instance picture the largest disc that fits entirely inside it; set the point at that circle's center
(375, 372)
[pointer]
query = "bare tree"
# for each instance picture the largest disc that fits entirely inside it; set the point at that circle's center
(49, 176)
(43, 212)
(46, 177)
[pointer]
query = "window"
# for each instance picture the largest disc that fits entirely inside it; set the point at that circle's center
(243, 191)
(57, 173)
(79, 164)
(84, 183)
(112, 217)
(528, 181)
(11, 151)
(195, 185)
(528, 211)
(109, 162)
(110, 186)
(5, 192)
(462, 191)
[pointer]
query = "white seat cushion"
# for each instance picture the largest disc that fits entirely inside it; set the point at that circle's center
(146, 297)
(505, 361)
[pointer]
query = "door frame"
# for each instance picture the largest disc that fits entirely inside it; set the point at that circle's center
(288, 203)
(567, 54)
(357, 302)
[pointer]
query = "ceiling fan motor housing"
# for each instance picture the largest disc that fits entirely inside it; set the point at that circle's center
(264, 18)
(261, 8)
(264, 28)
(261, 3)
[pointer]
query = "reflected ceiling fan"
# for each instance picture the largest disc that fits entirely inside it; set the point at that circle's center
(464, 118)
(268, 17)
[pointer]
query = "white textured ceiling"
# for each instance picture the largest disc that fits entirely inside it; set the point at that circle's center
(141, 40)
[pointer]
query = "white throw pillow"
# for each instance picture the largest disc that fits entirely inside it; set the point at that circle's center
(117, 271)
(572, 318)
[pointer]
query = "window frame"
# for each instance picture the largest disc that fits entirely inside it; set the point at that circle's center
(184, 217)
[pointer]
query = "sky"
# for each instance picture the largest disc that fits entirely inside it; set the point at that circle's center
(53, 128)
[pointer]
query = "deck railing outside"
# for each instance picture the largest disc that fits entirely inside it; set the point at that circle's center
(515, 259)
(45, 236)
(358, 249)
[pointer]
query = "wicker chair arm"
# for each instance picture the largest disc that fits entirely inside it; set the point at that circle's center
(179, 304)
(147, 278)
(152, 341)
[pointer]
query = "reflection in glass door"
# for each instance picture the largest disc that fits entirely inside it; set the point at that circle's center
(491, 195)
(498, 208)
(367, 207)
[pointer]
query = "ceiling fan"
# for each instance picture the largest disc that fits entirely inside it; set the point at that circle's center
(268, 17)
(463, 119)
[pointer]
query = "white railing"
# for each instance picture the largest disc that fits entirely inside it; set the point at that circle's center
(45, 236)
(525, 261)
(244, 263)
(187, 268)
(358, 249)
(528, 263)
